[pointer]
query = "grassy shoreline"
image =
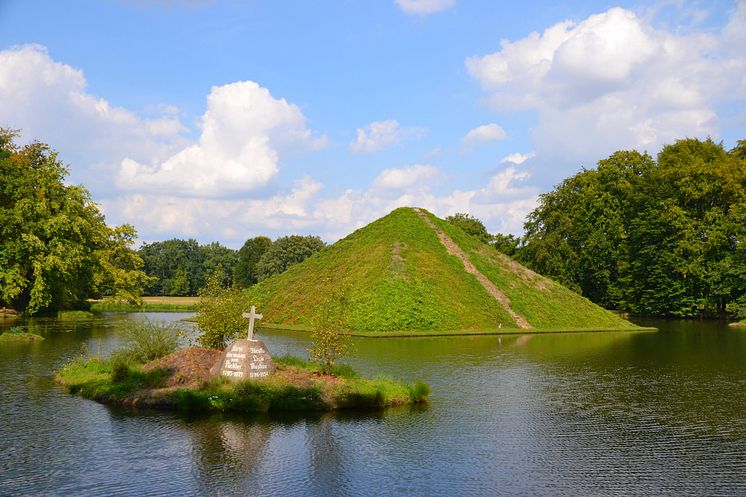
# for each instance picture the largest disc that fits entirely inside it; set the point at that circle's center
(149, 304)
(443, 333)
(298, 386)
(12, 336)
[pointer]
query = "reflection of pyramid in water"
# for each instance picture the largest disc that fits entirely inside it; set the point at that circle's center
(413, 271)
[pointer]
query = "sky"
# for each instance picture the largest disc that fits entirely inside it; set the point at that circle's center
(225, 120)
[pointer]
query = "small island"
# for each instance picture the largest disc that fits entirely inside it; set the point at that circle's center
(17, 335)
(148, 372)
(182, 381)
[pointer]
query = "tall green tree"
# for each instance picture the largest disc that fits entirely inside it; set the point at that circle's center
(55, 248)
(244, 272)
(471, 225)
(658, 237)
(285, 252)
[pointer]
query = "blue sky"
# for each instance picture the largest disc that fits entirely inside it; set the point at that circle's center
(223, 120)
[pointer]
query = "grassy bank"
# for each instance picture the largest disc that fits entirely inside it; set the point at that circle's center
(149, 304)
(468, 332)
(17, 335)
(297, 386)
(740, 324)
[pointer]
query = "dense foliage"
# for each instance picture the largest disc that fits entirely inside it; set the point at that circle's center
(182, 267)
(285, 252)
(55, 248)
(470, 225)
(661, 237)
(219, 313)
(244, 273)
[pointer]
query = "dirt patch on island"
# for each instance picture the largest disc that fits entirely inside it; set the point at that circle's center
(187, 367)
(190, 368)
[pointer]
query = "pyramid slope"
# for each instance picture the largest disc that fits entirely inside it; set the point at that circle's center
(397, 275)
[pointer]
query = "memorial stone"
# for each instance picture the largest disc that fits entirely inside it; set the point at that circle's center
(245, 359)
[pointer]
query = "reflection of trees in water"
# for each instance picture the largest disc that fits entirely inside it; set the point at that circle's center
(227, 450)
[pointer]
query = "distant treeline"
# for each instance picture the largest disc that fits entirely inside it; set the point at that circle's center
(663, 237)
(182, 267)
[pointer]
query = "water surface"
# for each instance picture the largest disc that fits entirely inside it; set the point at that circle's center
(568, 414)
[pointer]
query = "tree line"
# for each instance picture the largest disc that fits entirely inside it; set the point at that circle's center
(56, 250)
(655, 237)
(183, 267)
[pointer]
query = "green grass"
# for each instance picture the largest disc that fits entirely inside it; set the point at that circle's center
(399, 280)
(149, 304)
(112, 382)
(74, 315)
(16, 334)
(544, 303)
(397, 276)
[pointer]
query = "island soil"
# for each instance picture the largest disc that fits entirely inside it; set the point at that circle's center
(190, 368)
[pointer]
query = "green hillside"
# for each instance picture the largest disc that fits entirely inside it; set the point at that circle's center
(398, 275)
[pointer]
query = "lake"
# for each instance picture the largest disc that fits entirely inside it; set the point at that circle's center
(567, 414)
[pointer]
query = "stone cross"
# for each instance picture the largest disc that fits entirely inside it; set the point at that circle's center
(251, 316)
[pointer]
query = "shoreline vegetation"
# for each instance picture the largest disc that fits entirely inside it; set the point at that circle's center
(149, 304)
(17, 335)
(738, 324)
(441, 333)
(181, 381)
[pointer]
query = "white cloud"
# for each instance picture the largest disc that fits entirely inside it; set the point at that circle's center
(237, 151)
(424, 7)
(502, 203)
(614, 81)
(517, 158)
(483, 134)
(379, 135)
(49, 101)
(417, 175)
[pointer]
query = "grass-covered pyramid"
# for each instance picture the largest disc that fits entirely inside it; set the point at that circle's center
(411, 271)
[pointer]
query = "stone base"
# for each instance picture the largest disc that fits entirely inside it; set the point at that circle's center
(245, 360)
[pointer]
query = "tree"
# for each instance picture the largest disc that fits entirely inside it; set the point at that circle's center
(169, 259)
(179, 283)
(285, 252)
(244, 272)
(219, 313)
(507, 244)
(55, 248)
(470, 225)
(577, 235)
(122, 276)
(660, 238)
(217, 258)
(330, 338)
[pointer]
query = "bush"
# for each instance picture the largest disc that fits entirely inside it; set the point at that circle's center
(146, 341)
(219, 311)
